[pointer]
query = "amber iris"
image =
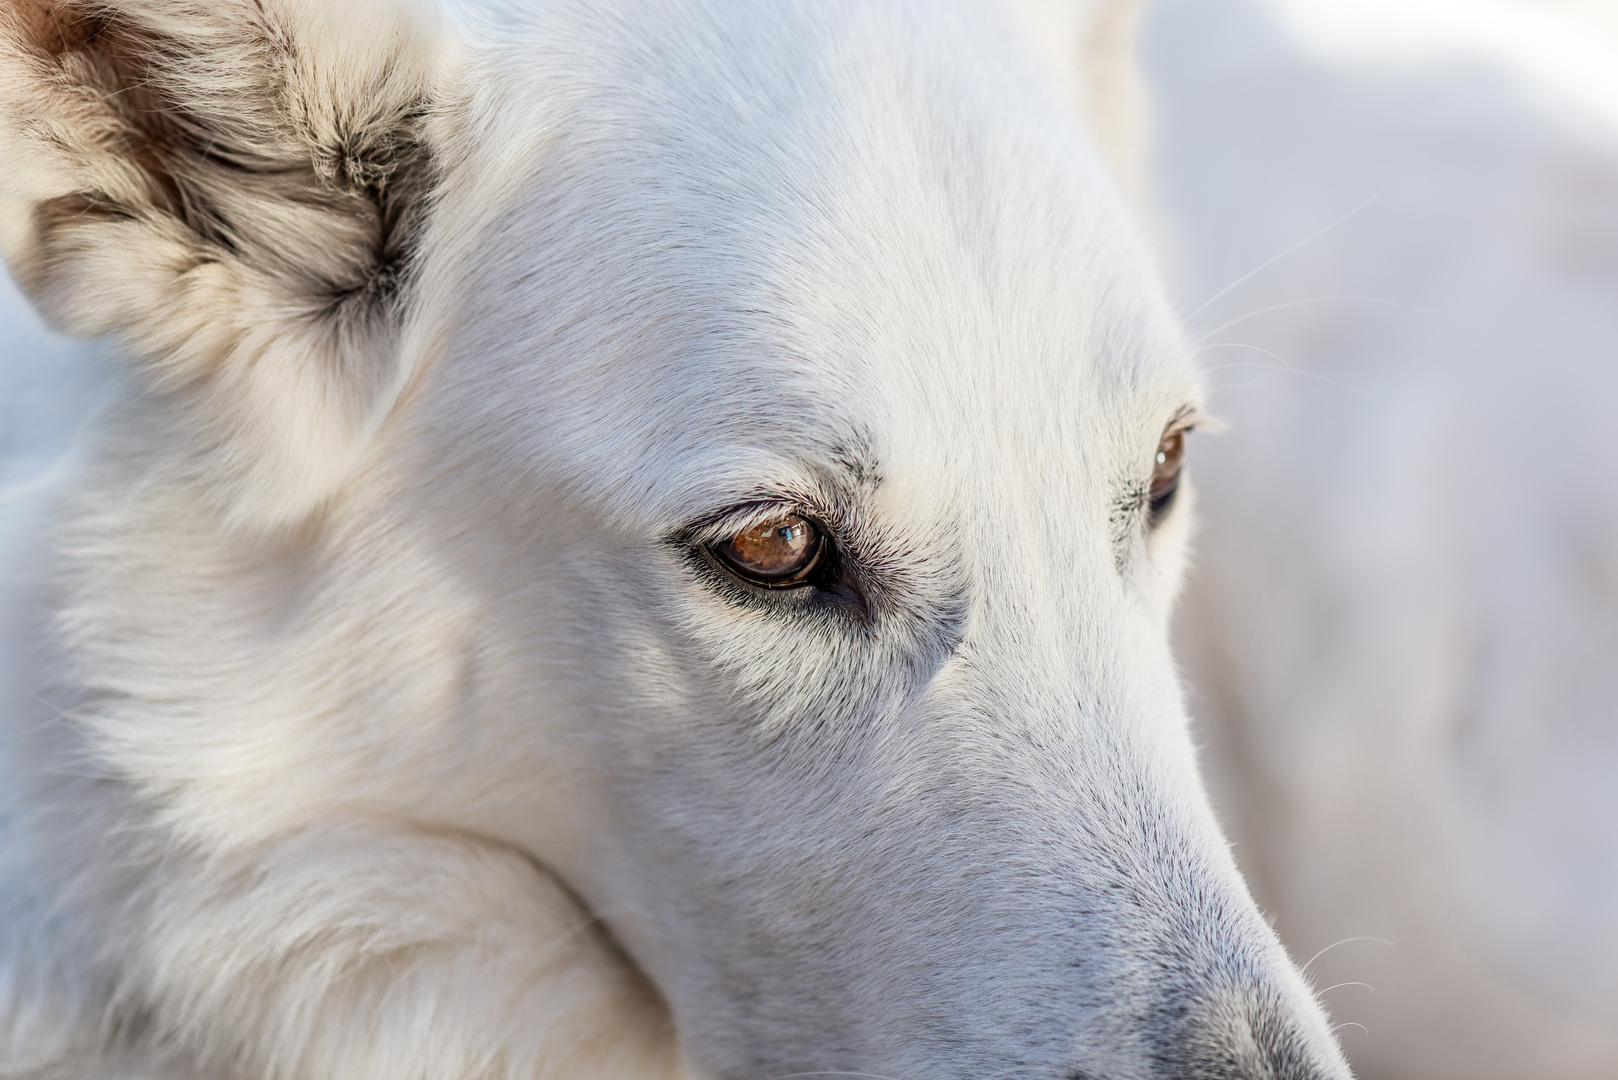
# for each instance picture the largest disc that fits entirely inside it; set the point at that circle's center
(1166, 469)
(781, 551)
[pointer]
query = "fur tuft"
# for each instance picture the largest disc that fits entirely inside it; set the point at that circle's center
(235, 189)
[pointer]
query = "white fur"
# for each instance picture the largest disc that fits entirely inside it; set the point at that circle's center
(380, 716)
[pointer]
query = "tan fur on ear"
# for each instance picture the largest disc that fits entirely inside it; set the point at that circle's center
(1114, 93)
(1093, 41)
(233, 187)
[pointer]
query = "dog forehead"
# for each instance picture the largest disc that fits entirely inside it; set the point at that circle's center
(755, 240)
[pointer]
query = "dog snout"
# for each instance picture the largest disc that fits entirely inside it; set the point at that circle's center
(1248, 1033)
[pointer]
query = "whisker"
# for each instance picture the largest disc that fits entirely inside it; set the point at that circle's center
(1350, 1023)
(1263, 266)
(1334, 986)
(1271, 308)
(1344, 941)
(1280, 365)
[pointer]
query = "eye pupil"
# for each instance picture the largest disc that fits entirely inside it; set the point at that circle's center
(778, 552)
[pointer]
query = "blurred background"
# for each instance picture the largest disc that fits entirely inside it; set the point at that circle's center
(1394, 230)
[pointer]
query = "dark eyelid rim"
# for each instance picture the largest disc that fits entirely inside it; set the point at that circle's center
(822, 550)
(1186, 419)
(846, 591)
(704, 537)
(721, 525)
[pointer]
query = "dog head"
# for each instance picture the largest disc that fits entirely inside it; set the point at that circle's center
(743, 442)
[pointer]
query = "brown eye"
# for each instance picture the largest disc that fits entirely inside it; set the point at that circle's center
(778, 552)
(1166, 471)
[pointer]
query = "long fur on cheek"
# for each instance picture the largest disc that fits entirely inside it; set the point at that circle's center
(394, 955)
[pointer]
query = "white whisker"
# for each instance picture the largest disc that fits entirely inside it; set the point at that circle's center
(1279, 365)
(1344, 941)
(1300, 302)
(1335, 986)
(1263, 266)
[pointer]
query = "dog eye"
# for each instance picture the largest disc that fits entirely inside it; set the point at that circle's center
(1166, 471)
(777, 553)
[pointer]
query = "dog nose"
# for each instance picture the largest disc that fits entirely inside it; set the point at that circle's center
(1248, 1033)
(1243, 1033)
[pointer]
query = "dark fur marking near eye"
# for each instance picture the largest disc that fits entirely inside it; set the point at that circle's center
(858, 463)
(1123, 519)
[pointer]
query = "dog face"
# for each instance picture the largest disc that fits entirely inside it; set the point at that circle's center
(846, 389)
(780, 424)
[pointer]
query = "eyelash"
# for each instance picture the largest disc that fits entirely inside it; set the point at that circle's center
(832, 586)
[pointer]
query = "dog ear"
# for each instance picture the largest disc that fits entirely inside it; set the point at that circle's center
(1093, 42)
(235, 188)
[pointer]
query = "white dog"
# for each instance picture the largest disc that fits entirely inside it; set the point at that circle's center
(639, 540)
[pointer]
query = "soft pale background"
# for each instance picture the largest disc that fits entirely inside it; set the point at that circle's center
(1403, 636)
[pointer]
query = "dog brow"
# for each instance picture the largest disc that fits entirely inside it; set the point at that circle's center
(856, 460)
